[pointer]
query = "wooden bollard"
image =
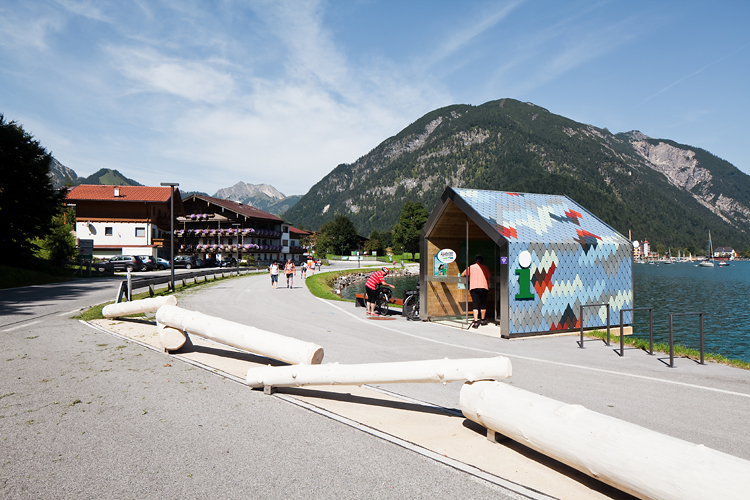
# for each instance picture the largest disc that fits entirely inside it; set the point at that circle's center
(631, 458)
(271, 345)
(430, 371)
(138, 306)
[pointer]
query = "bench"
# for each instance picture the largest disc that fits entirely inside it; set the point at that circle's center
(360, 301)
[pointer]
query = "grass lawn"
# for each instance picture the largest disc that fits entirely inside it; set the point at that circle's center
(663, 347)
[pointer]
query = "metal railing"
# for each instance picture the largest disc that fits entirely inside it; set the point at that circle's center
(650, 329)
(581, 317)
(128, 285)
(671, 335)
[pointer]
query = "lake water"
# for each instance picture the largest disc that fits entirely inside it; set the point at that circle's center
(719, 292)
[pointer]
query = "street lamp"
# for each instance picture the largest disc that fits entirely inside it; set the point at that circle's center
(171, 228)
(239, 245)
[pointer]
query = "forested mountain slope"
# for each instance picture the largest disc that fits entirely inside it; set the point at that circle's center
(665, 192)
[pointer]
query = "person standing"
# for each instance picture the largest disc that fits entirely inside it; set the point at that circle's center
(289, 271)
(479, 284)
(274, 271)
(371, 286)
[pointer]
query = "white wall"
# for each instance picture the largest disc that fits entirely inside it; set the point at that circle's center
(123, 235)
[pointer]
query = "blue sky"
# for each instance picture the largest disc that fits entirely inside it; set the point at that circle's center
(211, 93)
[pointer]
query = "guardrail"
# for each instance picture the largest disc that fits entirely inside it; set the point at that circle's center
(127, 286)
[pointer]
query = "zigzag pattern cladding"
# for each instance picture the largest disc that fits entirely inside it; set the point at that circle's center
(576, 260)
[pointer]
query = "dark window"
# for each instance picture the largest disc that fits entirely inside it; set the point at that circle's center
(107, 231)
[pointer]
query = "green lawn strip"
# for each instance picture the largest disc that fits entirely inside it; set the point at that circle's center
(95, 312)
(321, 285)
(663, 347)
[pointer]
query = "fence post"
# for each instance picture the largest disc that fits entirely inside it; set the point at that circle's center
(671, 343)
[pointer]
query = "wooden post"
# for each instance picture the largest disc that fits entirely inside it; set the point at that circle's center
(137, 306)
(430, 371)
(245, 337)
(636, 460)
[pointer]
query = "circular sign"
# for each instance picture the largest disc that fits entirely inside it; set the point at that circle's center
(524, 259)
(446, 256)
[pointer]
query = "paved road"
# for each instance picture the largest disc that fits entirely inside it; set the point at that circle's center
(85, 415)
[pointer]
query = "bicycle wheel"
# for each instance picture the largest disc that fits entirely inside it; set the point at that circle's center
(411, 307)
(381, 305)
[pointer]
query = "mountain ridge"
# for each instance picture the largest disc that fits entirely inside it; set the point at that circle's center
(665, 192)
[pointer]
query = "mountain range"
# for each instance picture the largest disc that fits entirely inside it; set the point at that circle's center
(261, 196)
(665, 192)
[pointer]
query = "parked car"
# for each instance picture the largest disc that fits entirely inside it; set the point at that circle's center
(186, 261)
(210, 262)
(121, 263)
(229, 262)
(149, 262)
(162, 264)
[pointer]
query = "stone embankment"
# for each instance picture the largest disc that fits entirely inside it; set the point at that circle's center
(347, 279)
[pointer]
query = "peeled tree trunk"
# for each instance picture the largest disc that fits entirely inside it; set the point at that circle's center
(631, 458)
(171, 339)
(268, 344)
(431, 371)
(138, 306)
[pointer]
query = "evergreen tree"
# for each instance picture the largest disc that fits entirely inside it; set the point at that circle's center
(337, 236)
(27, 199)
(411, 221)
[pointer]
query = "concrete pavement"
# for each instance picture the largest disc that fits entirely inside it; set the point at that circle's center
(702, 404)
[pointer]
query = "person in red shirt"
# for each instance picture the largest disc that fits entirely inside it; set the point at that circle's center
(479, 285)
(371, 286)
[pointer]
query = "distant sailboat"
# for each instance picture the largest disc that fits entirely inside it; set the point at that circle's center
(707, 263)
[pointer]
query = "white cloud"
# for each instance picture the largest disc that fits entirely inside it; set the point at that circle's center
(192, 80)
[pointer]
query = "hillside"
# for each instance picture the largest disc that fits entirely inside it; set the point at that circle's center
(665, 192)
(108, 177)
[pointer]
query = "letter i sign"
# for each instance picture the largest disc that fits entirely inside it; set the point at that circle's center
(524, 276)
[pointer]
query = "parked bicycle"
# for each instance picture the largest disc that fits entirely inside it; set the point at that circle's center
(411, 305)
(382, 300)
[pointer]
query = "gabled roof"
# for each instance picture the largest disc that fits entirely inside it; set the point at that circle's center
(300, 232)
(525, 217)
(127, 193)
(237, 207)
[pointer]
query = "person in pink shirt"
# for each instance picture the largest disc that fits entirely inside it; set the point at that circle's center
(479, 285)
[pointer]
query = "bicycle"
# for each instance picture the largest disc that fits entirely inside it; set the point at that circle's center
(382, 300)
(411, 305)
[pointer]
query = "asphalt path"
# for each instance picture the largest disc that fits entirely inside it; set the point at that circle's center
(85, 414)
(705, 404)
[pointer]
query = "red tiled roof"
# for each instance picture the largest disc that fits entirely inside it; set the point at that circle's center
(294, 230)
(127, 193)
(237, 207)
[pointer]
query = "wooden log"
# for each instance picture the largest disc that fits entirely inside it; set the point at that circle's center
(138, 306)
(636, 460)
(430, 371)
(245, 337)
(171, 339)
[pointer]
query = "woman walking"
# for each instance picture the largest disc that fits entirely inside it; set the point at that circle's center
(274, 271)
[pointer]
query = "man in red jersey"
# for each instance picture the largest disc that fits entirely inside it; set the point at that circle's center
(371, 286)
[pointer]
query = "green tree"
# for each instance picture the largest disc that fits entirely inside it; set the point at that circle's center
(375, 244)
(410, 223)
(59, 243)
(28, 201)
(337, 236)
